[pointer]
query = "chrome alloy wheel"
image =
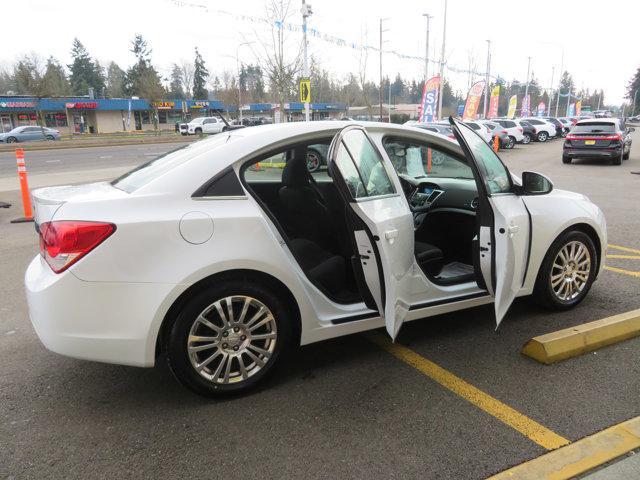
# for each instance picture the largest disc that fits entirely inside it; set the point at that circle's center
(232, 339)
(570, 271)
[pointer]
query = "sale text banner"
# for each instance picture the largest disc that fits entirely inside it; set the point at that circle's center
(429, 102)
(493, 102)
(513, 104)
(473, 101)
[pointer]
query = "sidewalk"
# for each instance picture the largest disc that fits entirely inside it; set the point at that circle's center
(627, 468)
(99, 141)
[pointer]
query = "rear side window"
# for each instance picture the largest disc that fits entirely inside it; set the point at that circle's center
(594, 128)
(157, 167)
(509, 124)
(535, 122)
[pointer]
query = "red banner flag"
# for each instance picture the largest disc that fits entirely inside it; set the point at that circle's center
(473, 101)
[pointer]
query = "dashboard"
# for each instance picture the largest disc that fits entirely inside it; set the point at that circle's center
(456, 193)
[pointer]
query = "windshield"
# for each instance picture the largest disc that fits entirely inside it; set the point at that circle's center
(197, 120)
(157, 167)
(594, 127)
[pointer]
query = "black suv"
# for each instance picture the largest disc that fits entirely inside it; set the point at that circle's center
(606, 138)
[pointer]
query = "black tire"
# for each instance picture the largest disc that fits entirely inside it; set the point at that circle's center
(12, 140)
(566, 159)
(198, 131)
(510, 143)
(50, 137)
(314, 161)
(178, 357)
(626, 155)
(617, 160)
(526, 139)
(184, 134)
(543, 136)
(543, 292)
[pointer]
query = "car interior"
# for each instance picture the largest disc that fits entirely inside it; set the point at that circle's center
(314, 220)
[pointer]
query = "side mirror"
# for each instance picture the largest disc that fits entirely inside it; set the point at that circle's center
(534, 183)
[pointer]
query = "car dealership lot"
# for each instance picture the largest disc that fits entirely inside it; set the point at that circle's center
(343, 408)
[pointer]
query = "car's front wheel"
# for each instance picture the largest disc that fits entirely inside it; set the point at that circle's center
(228, 337)
(526, 138)
(50, 138)
(12, 140)
(543, 136)
(567, 271)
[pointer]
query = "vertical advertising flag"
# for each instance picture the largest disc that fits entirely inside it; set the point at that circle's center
(513, 104)
(541, 108)
(429, 101)
(571, 110)
(525, 111)
(493, 102)
(473, 101)
(578, 108)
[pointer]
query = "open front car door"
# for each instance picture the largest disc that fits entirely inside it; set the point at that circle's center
(504, 225)
(381, 222)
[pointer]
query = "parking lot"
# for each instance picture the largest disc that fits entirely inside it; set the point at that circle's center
(452, 399)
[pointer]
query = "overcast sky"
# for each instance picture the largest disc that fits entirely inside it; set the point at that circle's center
(599, 39)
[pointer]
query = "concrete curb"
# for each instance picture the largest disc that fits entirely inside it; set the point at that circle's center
(61, 144)
(571, 342)
(579, 457)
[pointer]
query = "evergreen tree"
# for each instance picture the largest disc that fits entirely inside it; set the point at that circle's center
(175, 84)
(142, 79)
(115, 81)
(632, 87)
(85, 72)
(200, 75)
(567, 86)
(54, 82)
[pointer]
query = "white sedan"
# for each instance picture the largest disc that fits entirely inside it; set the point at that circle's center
(200, 125)
(227, 252)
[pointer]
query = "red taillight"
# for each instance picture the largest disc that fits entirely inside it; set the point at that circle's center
(535, 130)
(62, 243)
(570, 137)
(616, 137)
(505, 132)
(452, 136)
(520, 129)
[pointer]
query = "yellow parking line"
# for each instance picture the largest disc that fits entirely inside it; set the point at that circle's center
(624, 249)
(516, 420)
(630, 257)
(622, 270)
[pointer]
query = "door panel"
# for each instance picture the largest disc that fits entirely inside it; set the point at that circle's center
(362, 176)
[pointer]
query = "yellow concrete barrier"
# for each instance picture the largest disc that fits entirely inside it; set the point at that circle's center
(574, 341)
(579, 457)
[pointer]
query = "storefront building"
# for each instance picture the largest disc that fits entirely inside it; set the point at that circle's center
(73, 115)
(294, 111)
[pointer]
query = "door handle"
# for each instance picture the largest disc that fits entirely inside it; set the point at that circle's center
(391, 235)
(513, 229)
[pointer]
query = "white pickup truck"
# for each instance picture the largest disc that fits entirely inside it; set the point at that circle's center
(202, 125)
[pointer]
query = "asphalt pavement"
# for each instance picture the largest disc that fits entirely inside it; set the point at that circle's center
(343, 408)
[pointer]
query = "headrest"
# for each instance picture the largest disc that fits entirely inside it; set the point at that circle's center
(295, 173)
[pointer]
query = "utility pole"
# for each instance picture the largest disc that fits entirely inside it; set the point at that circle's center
(426, 49)
(380, 92)
(306, 12)
(239, 84)
(486, 82)
(559, 83)
(553, 71)
(444, 37)
(526, 88)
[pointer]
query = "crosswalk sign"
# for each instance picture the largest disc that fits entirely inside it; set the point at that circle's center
(305, 90)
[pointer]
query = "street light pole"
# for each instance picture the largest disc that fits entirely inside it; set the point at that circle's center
(306, 12)
(486, 82)
(239, 83)
(526, 88)
(553, 71)
(444, 37)
(426, 48)
(560, 82)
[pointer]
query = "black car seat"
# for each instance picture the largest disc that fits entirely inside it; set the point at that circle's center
(429, 257)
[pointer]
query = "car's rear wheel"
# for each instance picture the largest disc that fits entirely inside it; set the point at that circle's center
(526, 138)
(228, 337)
(566, 159)
(12, 139)
(511, 142)
(50, 137)
(567, 271)
(543, 136)
(617, 160)
(626, 155)
(198, 131)
(313, 161)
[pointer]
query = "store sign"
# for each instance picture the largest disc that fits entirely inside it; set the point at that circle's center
(163, 105)
(200, 105)
(18, 104)
(82, 105)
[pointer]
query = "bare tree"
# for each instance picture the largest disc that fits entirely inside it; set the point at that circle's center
(186, 76)
(281, 55)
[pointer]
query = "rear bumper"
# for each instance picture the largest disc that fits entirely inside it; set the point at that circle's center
(592, 152)
(101, 321)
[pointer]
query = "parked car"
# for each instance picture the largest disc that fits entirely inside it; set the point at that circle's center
(436, 127)
(316, 157)
(254, 121)
(558, 124)
(504, 140)
(29, 134)
(514, 130)
(221, 268)
(201, 125)
(481, 130)
(605, 138)
(544, 129)
(567, 124)
(528, 131)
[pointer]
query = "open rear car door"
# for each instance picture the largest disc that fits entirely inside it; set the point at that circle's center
(504, 225)
(381, 222)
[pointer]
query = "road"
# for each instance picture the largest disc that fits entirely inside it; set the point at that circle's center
(344, 408)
